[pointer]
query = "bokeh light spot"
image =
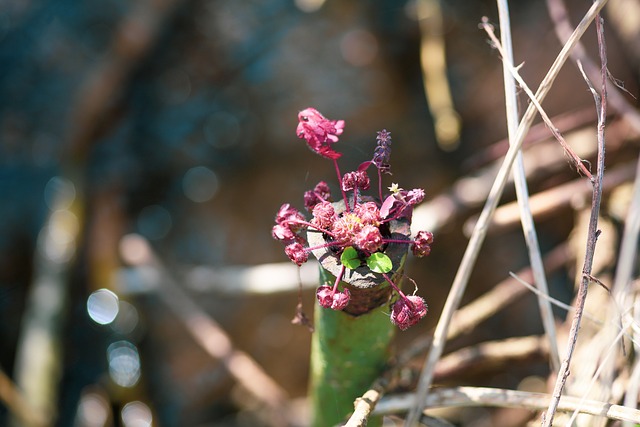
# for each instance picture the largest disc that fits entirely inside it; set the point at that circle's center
(134, 249)
(200, 184)
(359, 47)
(59, 193)
(222, 129)
(126, 320)
(136, 414)
(309, 5)
(154, 222)
(94, 410)
(124, 363)
(103, 306)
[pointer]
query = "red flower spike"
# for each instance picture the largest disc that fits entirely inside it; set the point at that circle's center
(319, 132)
(407, 312)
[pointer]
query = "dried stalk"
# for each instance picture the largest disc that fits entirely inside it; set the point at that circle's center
(522, 191)
(473, 248)
(494, 397)
(592, 237)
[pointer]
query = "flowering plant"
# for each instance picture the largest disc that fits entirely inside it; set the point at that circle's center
(358, 229)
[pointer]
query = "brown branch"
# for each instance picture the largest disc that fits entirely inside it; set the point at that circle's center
(492, 356)
(560, 17)
(577, 161)
(547, 203)
(592, 237)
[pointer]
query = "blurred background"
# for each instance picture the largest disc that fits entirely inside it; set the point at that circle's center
(161, 134)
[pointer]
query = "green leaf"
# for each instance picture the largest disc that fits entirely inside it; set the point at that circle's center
(349, 258)
(379, 263)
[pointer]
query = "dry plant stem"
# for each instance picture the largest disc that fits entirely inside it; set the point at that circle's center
(475, 242)
(365, 405)
(522, 191)
(547, 203)
(214, 340)
(592, 237)
(560, 17)
(494, 397)
(492, 356)
(578, 163)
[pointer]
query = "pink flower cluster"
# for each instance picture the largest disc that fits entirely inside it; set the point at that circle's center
(361, 225)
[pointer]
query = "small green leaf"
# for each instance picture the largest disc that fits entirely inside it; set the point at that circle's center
(379, 263)
(349, 258)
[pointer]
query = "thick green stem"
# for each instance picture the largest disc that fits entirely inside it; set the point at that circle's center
(347, 354)
(350, 348)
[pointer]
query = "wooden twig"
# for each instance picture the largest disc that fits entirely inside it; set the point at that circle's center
(577, 161)
(475, 242)
(494, 397)
(592, 237)
(547, 203)
(522, 191)
(560, 17)
(491, 356)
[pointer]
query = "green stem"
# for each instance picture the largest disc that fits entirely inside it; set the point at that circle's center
(347, 354)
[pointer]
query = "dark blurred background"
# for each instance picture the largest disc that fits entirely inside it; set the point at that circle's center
(175, 120)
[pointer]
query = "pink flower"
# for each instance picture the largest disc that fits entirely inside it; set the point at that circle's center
(288, 213)
(369, 239)
(345, 229)
(408, 311)
(324, 215)
(358, 179)
(330, 298)
(319, 193)
(422, 243)
(319, 132)
(297, 253)
(368, 212)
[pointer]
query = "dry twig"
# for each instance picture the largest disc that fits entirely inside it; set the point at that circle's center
(592, 237)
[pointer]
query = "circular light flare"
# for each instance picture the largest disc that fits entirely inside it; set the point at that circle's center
(359, 47)
(136, 414)
(200, 184)
(124, 363)
(103, 306)
(135, 250)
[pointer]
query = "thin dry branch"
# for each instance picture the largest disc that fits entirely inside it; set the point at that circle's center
(493, 397)
(522, 190)
(560, 17)
(475, 242)
(547, 203)
(577, 161)
(592, 237)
